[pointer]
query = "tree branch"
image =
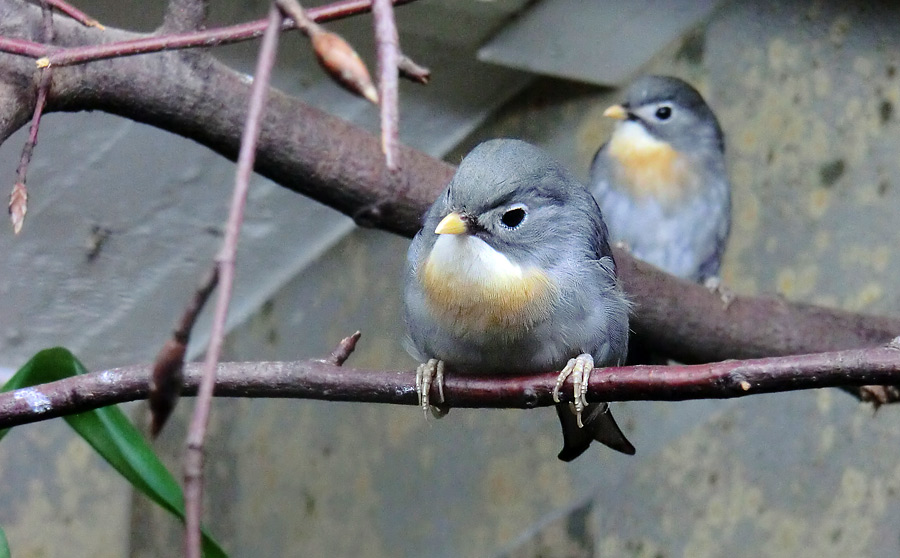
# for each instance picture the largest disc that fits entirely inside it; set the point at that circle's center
(74, 13)
(225, 261)
(387, 43)
(322, 380)
(52, 55)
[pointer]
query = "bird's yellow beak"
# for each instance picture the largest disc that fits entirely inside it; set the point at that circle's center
(451, 224)
(616, 111)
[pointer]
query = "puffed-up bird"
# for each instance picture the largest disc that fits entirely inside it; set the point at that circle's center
(512, 273)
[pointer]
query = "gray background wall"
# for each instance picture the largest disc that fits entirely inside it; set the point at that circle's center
(807, 94)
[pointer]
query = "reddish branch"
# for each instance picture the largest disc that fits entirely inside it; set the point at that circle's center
(74, 13)
(388, 46)
(18, 200)
(123, 47)
(319, 379)
(193, 459)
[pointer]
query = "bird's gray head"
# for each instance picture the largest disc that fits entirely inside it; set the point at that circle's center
(522, 203)
(672, 111)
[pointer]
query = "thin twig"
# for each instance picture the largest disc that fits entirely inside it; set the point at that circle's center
(345, 348)
(388, 44)
(56, 56)
(318, 379)
(165, 382)
(18, 200)
(46, 21)
(21, 47)
(412, 71)
(193, 461)
(75, 13)
(39, 104)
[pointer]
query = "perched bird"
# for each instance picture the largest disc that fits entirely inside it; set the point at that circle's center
(512, 273)
(661, 179)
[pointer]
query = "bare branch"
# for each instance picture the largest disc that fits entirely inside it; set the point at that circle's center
(48, 55)
(165, 382)
(193, 460)
(22, 47)
(687, 322)
(74, 13)
(318, 379)
(412, 71)
(388, 44)
(18, 199)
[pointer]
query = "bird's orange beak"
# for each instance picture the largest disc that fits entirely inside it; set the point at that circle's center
(616, 111)
(452, 224)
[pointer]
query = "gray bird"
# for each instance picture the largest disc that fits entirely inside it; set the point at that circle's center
(512, 273)
(661, 179)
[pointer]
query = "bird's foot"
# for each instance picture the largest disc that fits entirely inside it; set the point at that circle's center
(579, 368)
(714, 285)
(427, 373)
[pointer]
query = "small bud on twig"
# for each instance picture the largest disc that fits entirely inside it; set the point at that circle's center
(339, 59)
(18, 206)
(334, 54)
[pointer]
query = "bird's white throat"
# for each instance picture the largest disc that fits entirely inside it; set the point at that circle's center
(472, 288)
(635, 136)
(468, 259)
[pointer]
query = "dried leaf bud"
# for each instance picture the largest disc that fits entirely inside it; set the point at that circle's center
(18, 206)
(339, 59)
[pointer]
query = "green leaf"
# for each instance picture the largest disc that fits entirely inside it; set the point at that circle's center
(113, 436)
(4, 545)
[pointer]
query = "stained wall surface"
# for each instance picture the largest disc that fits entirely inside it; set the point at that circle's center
(807, 94)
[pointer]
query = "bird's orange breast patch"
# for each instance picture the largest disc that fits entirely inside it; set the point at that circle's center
(474, 306)
(649, 167)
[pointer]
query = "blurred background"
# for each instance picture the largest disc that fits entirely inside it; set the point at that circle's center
(124, 220)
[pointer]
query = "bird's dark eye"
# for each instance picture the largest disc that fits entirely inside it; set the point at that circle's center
(664, 112)
(513, 217)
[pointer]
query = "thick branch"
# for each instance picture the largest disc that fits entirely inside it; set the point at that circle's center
(326, 158)
(319, 379)
(689, 323)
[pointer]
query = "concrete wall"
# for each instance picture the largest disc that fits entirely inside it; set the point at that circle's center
(807, 95)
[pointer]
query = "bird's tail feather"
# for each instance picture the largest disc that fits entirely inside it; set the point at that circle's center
(599, 425)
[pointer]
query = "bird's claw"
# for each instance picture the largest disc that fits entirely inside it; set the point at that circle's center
(579, 368)
(428, 373)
